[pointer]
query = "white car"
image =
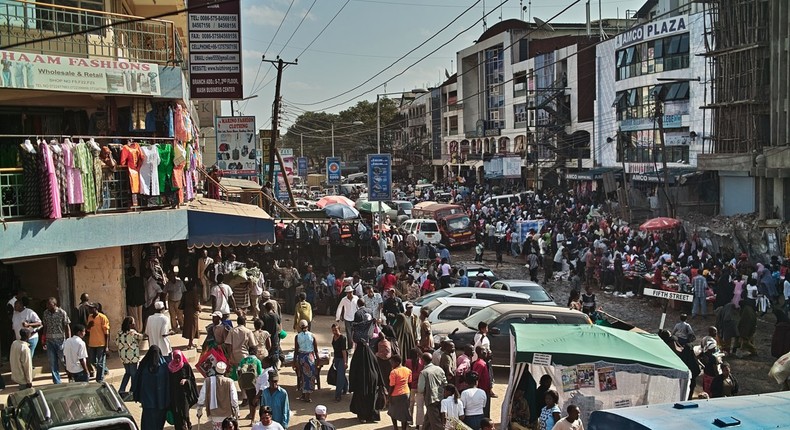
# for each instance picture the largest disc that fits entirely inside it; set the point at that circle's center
(498, 296)
(453, 308)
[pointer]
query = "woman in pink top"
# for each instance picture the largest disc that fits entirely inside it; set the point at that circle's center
(415, 399)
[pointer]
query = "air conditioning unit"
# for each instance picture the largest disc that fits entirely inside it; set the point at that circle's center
(519, 86)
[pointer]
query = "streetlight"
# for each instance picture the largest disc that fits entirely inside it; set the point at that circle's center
(357, 122)
(233, 112)
(378, 112)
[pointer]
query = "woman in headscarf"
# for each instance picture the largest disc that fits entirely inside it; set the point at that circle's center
(366, 383)
(183, 390)
(405, 327)
(386, 347)
(724, 288)
(191, 304)
(305, 350)
(152, 389)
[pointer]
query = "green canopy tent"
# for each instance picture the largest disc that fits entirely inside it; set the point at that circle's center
(371, 207)
(595, 367)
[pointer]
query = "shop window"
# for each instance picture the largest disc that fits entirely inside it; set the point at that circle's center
(655, 56)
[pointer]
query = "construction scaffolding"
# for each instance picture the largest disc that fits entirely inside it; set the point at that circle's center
(737, 39)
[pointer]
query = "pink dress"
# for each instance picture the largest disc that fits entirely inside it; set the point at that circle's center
(52, 179)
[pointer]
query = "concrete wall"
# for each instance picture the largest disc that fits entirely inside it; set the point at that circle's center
(99, 272)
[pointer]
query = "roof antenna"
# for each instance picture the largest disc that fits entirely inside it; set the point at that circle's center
(521, 8)
(485, 26)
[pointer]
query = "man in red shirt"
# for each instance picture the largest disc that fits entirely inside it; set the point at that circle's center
(388, 280)
(484, 378)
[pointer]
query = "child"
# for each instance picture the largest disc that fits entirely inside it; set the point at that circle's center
(683, 331)
(452, 407)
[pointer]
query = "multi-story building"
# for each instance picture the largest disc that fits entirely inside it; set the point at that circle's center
(652, 83)
(521, 103)
(414, 131)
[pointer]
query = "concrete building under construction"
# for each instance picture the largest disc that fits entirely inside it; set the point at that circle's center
(748, 147)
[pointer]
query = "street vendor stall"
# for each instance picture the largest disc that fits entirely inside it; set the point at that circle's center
(593, 367)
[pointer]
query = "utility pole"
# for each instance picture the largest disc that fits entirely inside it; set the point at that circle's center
(660, 121)
(280, 64)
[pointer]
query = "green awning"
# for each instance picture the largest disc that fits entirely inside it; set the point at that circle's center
(570, 345)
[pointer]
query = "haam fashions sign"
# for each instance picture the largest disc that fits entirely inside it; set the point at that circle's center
(81, 75)
(236, 154)
(215, 50)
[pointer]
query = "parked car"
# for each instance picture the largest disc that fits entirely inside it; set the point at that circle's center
(498, 296)
(426, 230)
(453, 308)
(535, 291)
(398, 209)
(500, 317)
(472, 269)
(74, 406)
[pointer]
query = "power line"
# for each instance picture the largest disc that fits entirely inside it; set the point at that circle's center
(297, 27)
(323, 29)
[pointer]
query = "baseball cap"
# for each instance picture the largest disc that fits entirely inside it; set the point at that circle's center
(217, 314)
(158, 306)
(320, 410)
(409, 305)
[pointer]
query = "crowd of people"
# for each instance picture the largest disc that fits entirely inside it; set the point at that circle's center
(384, 355)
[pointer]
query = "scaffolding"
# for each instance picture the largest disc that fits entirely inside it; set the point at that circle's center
(738, 52)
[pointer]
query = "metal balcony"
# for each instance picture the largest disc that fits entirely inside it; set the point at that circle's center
(149, 40)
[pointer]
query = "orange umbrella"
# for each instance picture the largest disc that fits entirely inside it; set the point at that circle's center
(330, 200)
(660, 223)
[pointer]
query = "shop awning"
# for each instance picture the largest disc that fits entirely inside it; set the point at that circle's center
(222, 223)
(592, 174)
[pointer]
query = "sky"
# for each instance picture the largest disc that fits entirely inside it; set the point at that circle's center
(366, 37)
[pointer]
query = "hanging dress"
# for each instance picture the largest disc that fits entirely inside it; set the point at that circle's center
(30, 167)
(149, 171)
(179, 162)
(73, 175)
(49, 183)
(98, 172)
(189, 175)
(58, 157)
(165, 167)
(83, 160)
(133, 158)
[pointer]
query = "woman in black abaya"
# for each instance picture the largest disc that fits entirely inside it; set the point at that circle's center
(364, 376)
(183, 390)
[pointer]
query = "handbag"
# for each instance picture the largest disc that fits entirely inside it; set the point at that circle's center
(331, 375)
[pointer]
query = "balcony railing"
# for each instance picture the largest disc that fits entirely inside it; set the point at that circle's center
(149, 40)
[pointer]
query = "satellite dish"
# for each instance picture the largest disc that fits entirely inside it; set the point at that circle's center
(541, 23)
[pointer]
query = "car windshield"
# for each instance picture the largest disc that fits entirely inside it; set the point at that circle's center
(429, 226)
(430, 296)
(67, 407)
(460, 223)
(537, 294)
(487, 314)
(406, 206)
(431, 306)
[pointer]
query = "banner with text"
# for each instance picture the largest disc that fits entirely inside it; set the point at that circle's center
(379, 177)
(236, 154)
(215, 50)
(302, 163)
(82, 75)
(333, 171)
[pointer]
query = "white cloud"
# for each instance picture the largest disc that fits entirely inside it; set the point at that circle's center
(262, 15)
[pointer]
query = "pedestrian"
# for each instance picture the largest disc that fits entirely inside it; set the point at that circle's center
(98, 340)
(230, 423)
(452, 406)
(24, 317)
(683, 331)
(237, 345)
(725, 384)
(56, 328)
(710, 365)
(21, 360)
(339, 347)
(274, 400)
(204, 262)
(257, 284)
(399, 379)
(486, 424)
(345, 312)
(426, 332)
(303, 311)
(482, 367)
(365, 381)
(405, 326)
(474, 400)
(431, 385)
(319, 422)
(218, 395)
(699, 284)
(250, 368)
(550, 413)
(373, 302)
(572, 421)
(128, 341)
(183, 390)
(75, 354)
(174, 290)
(271, 323)
(416, 398)
(152, 390)
(589, 304)
(267, 423)
(158, 329)
(263, 340)
(310, 284)
(135, 294)
(479, 248)
(290, 281)
(190, 303)
(747, 326)
(305, 350)
(266, 297)
(222, 297)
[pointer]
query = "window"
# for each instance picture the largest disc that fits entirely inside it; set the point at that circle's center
(640, 102)
(655, 56)
(504, 324)
(453, 313)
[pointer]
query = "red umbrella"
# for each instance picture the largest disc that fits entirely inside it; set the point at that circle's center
(660, 223)
(330, 200)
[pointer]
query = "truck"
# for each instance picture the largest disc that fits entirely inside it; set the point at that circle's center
(454, 224)
(315, 179)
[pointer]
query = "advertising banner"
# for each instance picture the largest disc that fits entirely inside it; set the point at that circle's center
(82, 75)
(525, 226)
(333, 171)
(236, 154)
(302, 163)
(379, 177)
(215, 50)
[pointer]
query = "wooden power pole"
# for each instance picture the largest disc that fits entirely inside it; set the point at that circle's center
(280, 64)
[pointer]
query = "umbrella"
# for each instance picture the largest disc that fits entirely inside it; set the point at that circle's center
(337, 210)
(368, 206)
(660, 223)
(329, 200)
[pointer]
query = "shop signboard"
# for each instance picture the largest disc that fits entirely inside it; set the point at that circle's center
(634, 124)
(215, 49)
(30, 71)
(379, 177)
(236, 154)
(524, 228)
(333, 171)
(301, 163)
(287, 155)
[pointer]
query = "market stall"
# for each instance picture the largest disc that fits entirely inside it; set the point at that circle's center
(593, 367)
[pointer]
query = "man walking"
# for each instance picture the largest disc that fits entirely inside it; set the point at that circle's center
(175, 290)
(319, 422)
(158, 328)
(431, 386)
(56, 330)
(698, 285)
(219, 396)
(276, 399)
(135, 295)
(76, 355)
(347, 308)
(21, 361)
(98, 340)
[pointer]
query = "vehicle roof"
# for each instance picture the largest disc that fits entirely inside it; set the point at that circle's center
(464, 301)
(74, 402)
(440, 206)
(524, 307)
(420, 220)
(520, 282)
(462, 290)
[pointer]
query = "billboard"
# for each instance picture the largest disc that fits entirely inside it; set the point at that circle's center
(215, 50)
(379, 177)
(333, 171)
(236, 154)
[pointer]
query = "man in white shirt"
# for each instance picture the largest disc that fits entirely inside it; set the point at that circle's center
(75, 353)
(346, 310)
(222, 297)
(373, 302)
(203, 263)
(389, 258)
(158, 328)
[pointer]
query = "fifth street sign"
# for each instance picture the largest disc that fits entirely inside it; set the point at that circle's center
(669, 295)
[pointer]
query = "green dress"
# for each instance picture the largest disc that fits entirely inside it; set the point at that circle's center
(83, 160)
(166, 168)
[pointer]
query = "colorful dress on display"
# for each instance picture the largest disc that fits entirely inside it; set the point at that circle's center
(149, 171)
(98, 173)
(73, 175)
(30, 168)
(179, 161)
(60, 168)
(132, 157)
(165, 167)
(83, 160)
(50, 191)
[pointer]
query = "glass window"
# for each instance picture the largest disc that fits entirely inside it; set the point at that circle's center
(453, 313)
(658, 48)
(674, 45)
(684, 43)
